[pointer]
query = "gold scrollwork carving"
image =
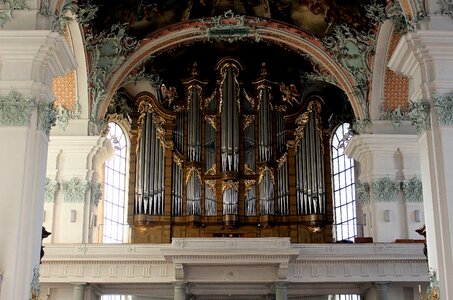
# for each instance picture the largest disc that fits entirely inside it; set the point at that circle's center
(260, 89)
(262, 172)
(248, 119)
(208, 100)
(223, 73)
(281, 108)
(248, 170)
(178, 108)
(143, 229)
(250, 99)
(196, 171)
(211, 170)
(199, 91)
(282, 160)
(230, 185)
(248, 184)
(302, 121)
(211, 185)
(177, 158)
(211, 119)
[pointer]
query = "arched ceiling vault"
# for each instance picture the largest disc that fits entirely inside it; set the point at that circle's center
(270, 31)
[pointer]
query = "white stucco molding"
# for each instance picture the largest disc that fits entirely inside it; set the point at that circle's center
(426, 57)
(31, 59)
(233, 261)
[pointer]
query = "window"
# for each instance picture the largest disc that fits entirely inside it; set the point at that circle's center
(343, 187)
(114, 229)
(344, 297)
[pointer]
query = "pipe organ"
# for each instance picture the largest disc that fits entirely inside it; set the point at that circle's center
(239, 159)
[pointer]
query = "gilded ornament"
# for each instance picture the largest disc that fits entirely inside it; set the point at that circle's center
(281, 108)
(262, 172)
(282, 160)
(211, 170)
(177, 158)
(248, 119)
(211, 119)
(230, 185)
(248, 170)
(248, 185)
(250, 99)
(193, 171)
(211, 185)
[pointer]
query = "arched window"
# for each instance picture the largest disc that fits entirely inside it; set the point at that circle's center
(114, 229)
(344, 297)
(344, 199)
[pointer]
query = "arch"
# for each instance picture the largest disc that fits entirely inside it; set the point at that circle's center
(270, 31)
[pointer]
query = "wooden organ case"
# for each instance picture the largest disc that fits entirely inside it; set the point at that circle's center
(230, 162)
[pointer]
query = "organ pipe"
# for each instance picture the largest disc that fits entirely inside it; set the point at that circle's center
(150, 178)
(310, 191)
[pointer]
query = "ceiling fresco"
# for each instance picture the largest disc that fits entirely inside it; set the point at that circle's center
(142, 17)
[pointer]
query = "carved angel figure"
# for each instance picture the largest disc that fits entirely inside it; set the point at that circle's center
(168, 94)
(289, 93)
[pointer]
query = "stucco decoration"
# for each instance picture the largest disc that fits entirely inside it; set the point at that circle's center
(74, 190)
(7, 7)
(230, 27)
(362, 126)
(96, 193)
(404, 23)
(363, 192)
(65, 114)
(108, 51)
(34, 284)
(47, 116)
(63, 17)
(15, 109)
(444, 108)
(419, 115)
(68, 12)
(386, 189)
(446, 7)
(396, 116)
(51, 189)
(413, 190)
(354, 49)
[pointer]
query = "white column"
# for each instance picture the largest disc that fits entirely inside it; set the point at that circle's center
(281, 291)
(79, 291)
(29, 61)
(426, 57)
(180, 291)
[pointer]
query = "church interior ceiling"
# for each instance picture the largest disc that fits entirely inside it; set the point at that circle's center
(146, 16)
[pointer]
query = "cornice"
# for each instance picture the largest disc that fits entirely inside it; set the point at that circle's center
(421, 47)
(360, 145)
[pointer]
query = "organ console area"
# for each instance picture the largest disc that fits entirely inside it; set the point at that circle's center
(230, 158)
